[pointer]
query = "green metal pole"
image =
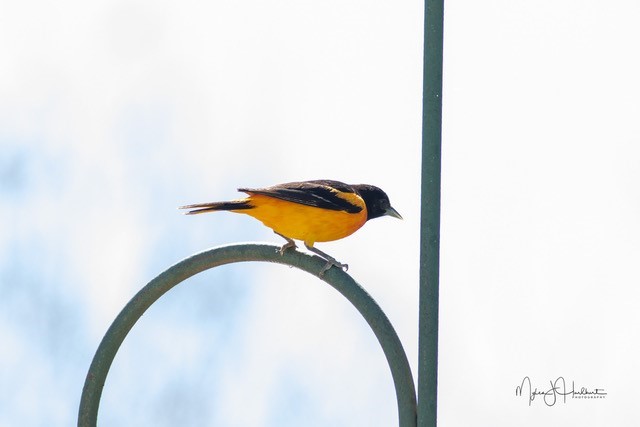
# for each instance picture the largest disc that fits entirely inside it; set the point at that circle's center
(430, 215)
(338, 279)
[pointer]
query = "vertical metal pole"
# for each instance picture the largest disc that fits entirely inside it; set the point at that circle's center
(430, 215)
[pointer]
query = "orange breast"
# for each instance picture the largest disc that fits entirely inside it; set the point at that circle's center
(307, 223)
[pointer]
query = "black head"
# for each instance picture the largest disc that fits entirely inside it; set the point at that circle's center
(376, 200)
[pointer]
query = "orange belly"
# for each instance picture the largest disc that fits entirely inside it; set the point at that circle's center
(300, 222)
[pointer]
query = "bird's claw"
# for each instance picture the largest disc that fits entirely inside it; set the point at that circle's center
(332, 262)
(286, 246)
(290, 244)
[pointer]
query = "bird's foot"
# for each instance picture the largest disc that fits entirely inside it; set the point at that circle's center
(331, 261)
(286, 246)
(290, 244)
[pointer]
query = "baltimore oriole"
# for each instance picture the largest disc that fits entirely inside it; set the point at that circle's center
(310, 211)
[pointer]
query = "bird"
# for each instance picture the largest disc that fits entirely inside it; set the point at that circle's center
(309, 211)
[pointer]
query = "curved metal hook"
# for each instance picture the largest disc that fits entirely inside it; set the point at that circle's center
(341, 281)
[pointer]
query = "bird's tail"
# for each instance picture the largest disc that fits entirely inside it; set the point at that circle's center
(217, 206)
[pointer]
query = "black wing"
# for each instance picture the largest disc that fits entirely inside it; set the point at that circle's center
(320, 193)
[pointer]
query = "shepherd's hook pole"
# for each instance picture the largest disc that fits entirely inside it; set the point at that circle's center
(430, 215)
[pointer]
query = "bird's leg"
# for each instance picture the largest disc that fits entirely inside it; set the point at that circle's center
(290, 243)
(330, 260)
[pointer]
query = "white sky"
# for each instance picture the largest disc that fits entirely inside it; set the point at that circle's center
(112, 114)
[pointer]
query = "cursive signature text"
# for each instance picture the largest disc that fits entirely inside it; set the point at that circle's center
(557, 390)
